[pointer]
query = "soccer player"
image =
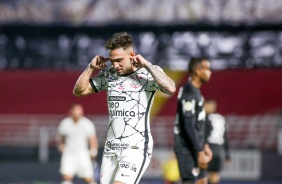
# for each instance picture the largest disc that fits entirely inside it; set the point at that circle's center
(216, 132)
(192, 152)
(78, 144)
(131, 83)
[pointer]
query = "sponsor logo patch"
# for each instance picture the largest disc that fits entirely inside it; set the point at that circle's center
(124, 174)
(117, 98)
(128, 166)
(117, 146)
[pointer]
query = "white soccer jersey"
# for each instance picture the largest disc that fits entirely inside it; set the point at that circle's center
(76, 134)
(218, 129)
(129, 102)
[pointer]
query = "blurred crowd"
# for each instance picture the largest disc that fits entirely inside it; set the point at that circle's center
(97, 12)
(63, 51)
(22, 11)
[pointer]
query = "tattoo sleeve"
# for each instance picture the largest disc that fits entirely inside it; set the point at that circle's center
(166, 84)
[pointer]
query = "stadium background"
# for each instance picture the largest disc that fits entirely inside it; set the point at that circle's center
(45, 45)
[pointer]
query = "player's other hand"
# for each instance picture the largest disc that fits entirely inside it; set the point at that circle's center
(93, 153)
(208, 152)
(61, 148)
(202, 160)
(98, 62)
(138, 61)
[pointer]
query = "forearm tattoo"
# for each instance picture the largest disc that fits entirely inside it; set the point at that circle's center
(164, 82)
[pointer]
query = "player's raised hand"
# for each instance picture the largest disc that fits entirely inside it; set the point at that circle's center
(138, 61)
(98, 62)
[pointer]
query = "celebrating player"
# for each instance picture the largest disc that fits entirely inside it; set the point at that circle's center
(131, 83)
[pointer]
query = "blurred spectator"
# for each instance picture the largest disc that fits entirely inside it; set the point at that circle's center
(216, 132)
(78, 144)
(21, 11)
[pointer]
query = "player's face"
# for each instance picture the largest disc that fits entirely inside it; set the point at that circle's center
(121, 61)
(210, 107)
(77, 112)
(205, 71)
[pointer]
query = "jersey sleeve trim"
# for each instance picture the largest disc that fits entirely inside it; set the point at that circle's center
(93, 86)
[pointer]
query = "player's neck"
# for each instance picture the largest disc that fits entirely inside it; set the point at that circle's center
(75, 120)
(129, 72)
(196, 82)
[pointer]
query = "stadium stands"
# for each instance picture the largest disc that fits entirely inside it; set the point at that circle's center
(258, 132)
(68, 48)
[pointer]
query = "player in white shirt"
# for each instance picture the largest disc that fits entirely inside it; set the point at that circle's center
(78, 144)
(130, 82)
(217, 138)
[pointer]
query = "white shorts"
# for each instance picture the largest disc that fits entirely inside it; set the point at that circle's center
(79, 164)
(127, 168)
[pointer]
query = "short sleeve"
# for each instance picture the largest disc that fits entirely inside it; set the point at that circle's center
(152, 84)
(62, 129)
(91, 128)
(99, 82)
(159, 68)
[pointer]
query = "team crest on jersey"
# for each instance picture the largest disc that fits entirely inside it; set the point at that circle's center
(136, 81)
(188, 106)
(121, 86)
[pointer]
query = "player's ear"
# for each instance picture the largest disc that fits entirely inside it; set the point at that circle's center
(132, 53)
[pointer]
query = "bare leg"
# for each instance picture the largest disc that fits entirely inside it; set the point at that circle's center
(202, 181)
(67, 179)
(214, 177)
(89, 181)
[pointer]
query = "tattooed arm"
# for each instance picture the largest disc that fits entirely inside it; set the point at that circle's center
(166, 84)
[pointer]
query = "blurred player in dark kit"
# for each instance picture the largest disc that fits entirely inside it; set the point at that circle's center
(216, 132)
(192, 152)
